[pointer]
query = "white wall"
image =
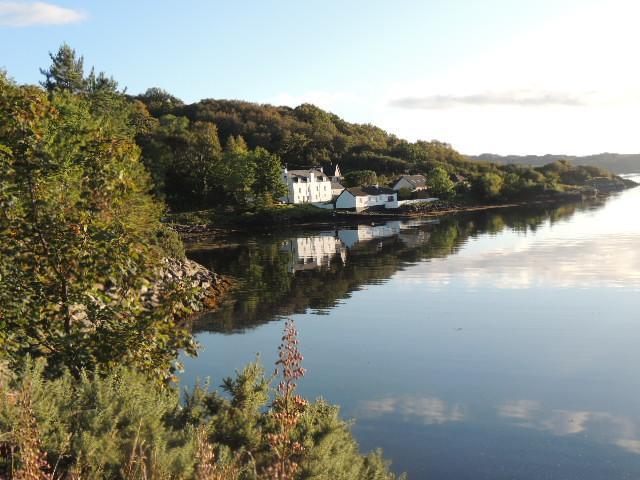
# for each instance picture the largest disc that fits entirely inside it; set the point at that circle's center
(399, 203)
(346, 200)
(311, 191)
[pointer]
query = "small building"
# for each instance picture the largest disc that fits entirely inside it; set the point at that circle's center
(307, 186)
(336, 189)
(415, 183)
(362, 198)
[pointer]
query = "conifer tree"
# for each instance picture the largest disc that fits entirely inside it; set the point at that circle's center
(66, 71)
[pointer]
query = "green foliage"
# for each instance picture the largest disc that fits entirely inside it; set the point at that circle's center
(106, 426)
(170, 243)
(79, 240)
(360, 178)
(487, 186)
(405, 194)
(440, 185)
(268, 185)
(159, 102)
(66, 71)
(94, 426)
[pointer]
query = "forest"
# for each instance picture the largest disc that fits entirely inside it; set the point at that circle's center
(91, 329)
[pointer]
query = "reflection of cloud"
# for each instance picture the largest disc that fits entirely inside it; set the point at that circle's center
(430, 410)
(592, 249)
(24, 14)
(521, 409)
(563, 422)
(629, 445)
(520, 98)
(603, 426)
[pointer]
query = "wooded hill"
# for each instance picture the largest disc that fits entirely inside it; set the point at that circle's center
(619, 163)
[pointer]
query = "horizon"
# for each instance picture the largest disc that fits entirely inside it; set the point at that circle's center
(535, 78)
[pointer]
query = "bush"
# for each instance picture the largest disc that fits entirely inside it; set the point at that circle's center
(123, 426)
(170, 243)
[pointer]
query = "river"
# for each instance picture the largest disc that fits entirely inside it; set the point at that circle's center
(486, 345)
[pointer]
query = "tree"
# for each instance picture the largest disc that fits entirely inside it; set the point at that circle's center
(239, 170)
(66, 71)
(159, 101)
(269, 185)
(360, 178)
(440, 184)
(78, 242)
(488, 185)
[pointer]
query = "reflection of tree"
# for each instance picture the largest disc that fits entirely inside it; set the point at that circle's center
(268, 289)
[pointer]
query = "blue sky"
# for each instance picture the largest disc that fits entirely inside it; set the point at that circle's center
(464, 71)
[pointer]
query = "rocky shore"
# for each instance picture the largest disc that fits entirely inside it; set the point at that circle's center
(210, 286)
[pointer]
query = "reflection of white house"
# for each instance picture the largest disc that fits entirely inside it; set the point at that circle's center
(363, 233)
(415, 183)
(361, 198)
(307, 186)
(313, 252)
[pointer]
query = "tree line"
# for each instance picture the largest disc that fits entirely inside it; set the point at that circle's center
(229, 154)
(90, 327)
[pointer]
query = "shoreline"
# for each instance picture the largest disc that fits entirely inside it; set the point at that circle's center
(192, 233)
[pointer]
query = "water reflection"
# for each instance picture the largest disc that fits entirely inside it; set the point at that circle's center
(428, 410)
(493, 345)
(285, 274)
(618, 430)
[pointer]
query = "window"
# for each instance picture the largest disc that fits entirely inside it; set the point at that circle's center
(390, 198)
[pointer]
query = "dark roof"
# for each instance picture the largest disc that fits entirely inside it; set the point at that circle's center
(372, 190)
(416, 180)
(304, 174)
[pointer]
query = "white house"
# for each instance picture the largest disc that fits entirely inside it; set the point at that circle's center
(415, 183)
(361, 198)
(307, 186)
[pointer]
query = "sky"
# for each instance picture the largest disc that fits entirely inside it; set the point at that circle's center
(487, 76)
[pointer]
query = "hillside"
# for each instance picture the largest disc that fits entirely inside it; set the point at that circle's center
(228, 154)
(615, 162)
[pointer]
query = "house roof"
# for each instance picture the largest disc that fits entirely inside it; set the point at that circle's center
(336, 185)
(305, 174)
(416, 180)
(371, 190)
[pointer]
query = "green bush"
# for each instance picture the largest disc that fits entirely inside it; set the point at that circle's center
(98, 427)
(170, 243)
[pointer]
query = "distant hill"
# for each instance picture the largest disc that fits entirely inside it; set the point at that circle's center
(615, 162)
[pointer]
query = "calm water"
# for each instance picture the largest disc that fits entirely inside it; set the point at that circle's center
(484, 346)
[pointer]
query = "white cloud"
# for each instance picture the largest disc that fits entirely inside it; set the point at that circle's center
(522, 98)
(25, 14)
(568, 85)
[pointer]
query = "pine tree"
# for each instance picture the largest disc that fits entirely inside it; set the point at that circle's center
(66, 71)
